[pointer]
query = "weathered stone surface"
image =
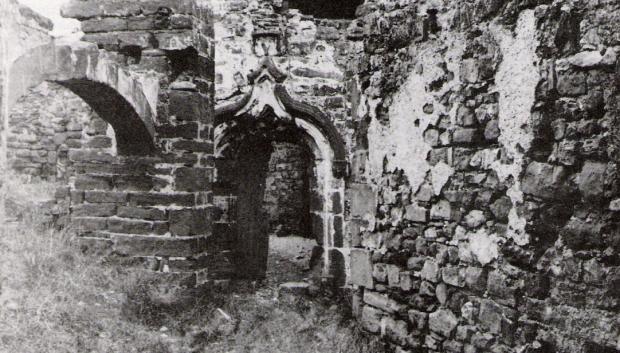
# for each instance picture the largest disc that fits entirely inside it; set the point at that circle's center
(363, 200)
(453, 276)
(165, 199)
(544, 180)
(381, 301)
(415, 213)
(441, 210)
(127, 226)
(94, 210)
(190, 221)
(136, 245)
(84, 182)
(371, 319)
(418, 319)
(151, 214)
(361, 268)
(430, 271)
(591, 180)
(193, 179)
(492, 317)
(443, 322)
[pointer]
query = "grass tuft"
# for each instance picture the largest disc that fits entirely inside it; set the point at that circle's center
(54, 298)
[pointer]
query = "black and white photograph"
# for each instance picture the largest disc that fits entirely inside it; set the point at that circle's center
(309, 176)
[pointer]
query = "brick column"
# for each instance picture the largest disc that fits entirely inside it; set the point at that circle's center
(157, 207)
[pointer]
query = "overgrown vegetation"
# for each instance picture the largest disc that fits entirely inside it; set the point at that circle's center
(53, 298)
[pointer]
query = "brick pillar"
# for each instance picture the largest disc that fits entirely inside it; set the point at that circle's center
(155, 207)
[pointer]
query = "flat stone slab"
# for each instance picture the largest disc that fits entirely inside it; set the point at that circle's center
(294, 289)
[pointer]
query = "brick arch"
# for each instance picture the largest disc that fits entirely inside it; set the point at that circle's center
(114, 93)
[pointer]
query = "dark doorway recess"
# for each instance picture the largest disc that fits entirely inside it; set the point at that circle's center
(333, 9)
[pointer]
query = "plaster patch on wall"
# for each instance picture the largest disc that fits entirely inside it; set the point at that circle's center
(440, 174)
(483, 246)
(516, 80)
(232, 37)
(400, 144)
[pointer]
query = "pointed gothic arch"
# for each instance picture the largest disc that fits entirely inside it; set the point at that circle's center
(270, 104)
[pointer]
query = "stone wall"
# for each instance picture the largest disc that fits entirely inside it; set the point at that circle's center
(154, 207)
(287, 190)
(314, 52)
(45, 124)
(484, 178)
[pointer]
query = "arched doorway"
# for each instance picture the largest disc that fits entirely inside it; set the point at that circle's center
(246, 132)
(111, 91)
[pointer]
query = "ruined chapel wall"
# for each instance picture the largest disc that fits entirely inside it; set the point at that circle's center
(313, 52)
(45, 124)
(483, 187)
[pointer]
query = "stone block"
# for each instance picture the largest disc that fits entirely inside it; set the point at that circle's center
(465, 136)
(137, 245)
(193, 146)
(498, 286)
(545, 181)
(452, 346)
(133, 182)
(145, 23)
(443, 322)
(190, 221)
(470, 71)
(416, 263)
(442, 210)
(121, 8)
(492, 317)
(406, 281)
(177, 40)
(109, 24)
(88, 182)
(188, 106)
(382, 301)
(379, 272)
(453, 276)
(317, 228)
(99, 142)
(418, 319)
(393, 272)
(416, 213)
(89, 224)
(94, 210)
(193, 179)
(476, 278)
(129, 226)
(474, 219)
(150, 214)
(91, 156)
(591, 180)
(81, 10)
(371, 319)
(187, 130)
(363, 200)
(500, 208)
(95, 246)
(430, 271)
(336, 230)
(361, 268)
(162, 199)
(180, 21)
(571, 83)
(394, 330)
